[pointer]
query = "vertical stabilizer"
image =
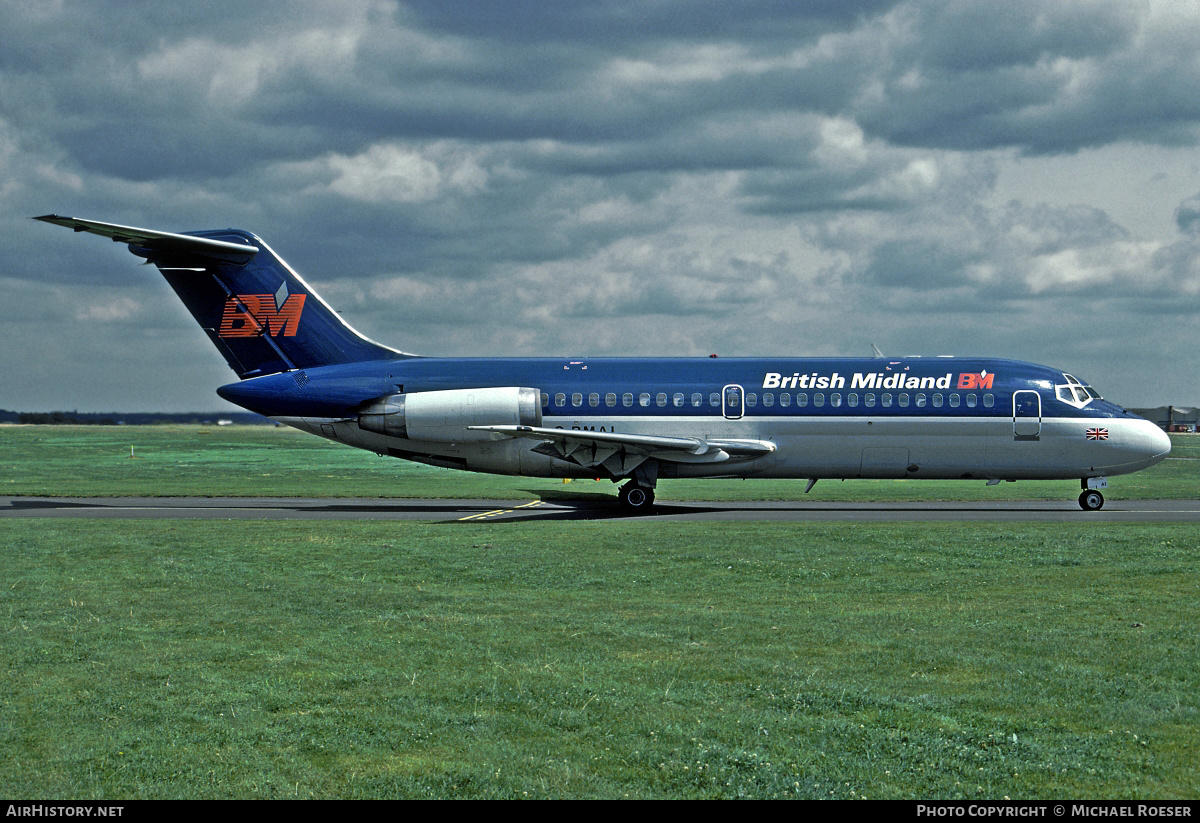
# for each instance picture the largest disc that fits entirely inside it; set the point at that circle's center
(257, 311)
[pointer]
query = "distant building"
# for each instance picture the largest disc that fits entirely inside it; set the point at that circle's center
(1172, 418)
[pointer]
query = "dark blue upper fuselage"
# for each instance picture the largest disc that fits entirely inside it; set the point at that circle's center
(651, 387)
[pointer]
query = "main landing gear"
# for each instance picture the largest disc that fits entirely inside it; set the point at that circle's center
(636, 498)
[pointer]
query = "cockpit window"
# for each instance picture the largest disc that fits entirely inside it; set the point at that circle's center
(1074, 393)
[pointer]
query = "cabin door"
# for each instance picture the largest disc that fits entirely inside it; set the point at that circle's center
(1027, 415)
(733, 402)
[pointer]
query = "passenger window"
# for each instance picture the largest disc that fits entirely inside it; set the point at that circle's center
(955, 401)
(627, 399)
(852, 401)
(714, 399)
(661, 399)
(610, 400)
(678, 400)
(785, 399)
(818, 400)
(576, 399)
(560, 399)
(752, 400)
(801, 399)
(545, 400)
(768, 399)
(869, 401)
(972, 401)
(989, 400)
(904, 400)
(937, 401)
(920, 401)
(644, 399)
(697, 399)
(887, 400)
(594, 400)
(835, 399)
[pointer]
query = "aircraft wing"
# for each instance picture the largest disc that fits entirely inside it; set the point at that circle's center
(621, 453)
(150, 239)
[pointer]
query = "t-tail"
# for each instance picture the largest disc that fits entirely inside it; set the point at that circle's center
(259, 313)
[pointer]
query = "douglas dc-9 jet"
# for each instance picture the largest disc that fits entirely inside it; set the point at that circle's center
(634, 420)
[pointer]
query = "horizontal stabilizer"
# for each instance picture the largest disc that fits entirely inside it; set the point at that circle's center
(158, 241)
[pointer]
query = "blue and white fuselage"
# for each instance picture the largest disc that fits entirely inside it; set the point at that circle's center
(1029, 422)
(636, 419)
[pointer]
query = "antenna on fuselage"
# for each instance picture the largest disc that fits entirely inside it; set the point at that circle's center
(875, 349)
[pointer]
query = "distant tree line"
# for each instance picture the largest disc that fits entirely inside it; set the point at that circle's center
(77, 418)
(59, 418)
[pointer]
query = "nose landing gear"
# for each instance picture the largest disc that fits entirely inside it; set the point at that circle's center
(1092, 498)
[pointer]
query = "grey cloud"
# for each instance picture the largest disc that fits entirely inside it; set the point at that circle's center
(916, 264)
(1041, 78)
(981, 36)
(620, 21)
(1187, 216)
(604, 178)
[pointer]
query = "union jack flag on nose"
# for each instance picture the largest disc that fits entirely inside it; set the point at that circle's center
(1096, 434)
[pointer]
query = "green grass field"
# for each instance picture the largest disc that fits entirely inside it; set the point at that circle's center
(249, 461)
(251, 659)
(210, 659)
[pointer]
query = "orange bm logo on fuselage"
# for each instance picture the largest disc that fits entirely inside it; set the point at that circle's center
(975, 381)
(256, 315)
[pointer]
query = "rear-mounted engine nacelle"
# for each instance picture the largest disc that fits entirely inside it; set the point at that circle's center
(443, 416)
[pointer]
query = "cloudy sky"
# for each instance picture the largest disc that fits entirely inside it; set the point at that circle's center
(1015, 179)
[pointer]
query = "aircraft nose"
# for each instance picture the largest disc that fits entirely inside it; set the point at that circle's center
(1150, 443)
(1158, 442)
(1136, 444)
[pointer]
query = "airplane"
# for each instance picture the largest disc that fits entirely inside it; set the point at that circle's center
(635, 420)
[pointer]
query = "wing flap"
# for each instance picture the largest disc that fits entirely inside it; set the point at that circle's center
(640, 442)
(621, 452)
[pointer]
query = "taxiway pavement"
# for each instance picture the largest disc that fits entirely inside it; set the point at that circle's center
(269, 508)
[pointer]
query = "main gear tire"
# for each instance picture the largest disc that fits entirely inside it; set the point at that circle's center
(636, 499)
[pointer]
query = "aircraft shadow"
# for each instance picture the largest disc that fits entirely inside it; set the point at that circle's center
(567, 496)
(578, 505)
(22, 503)
(597, 506)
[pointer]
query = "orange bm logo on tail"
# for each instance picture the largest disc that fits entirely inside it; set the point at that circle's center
(256, 315)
